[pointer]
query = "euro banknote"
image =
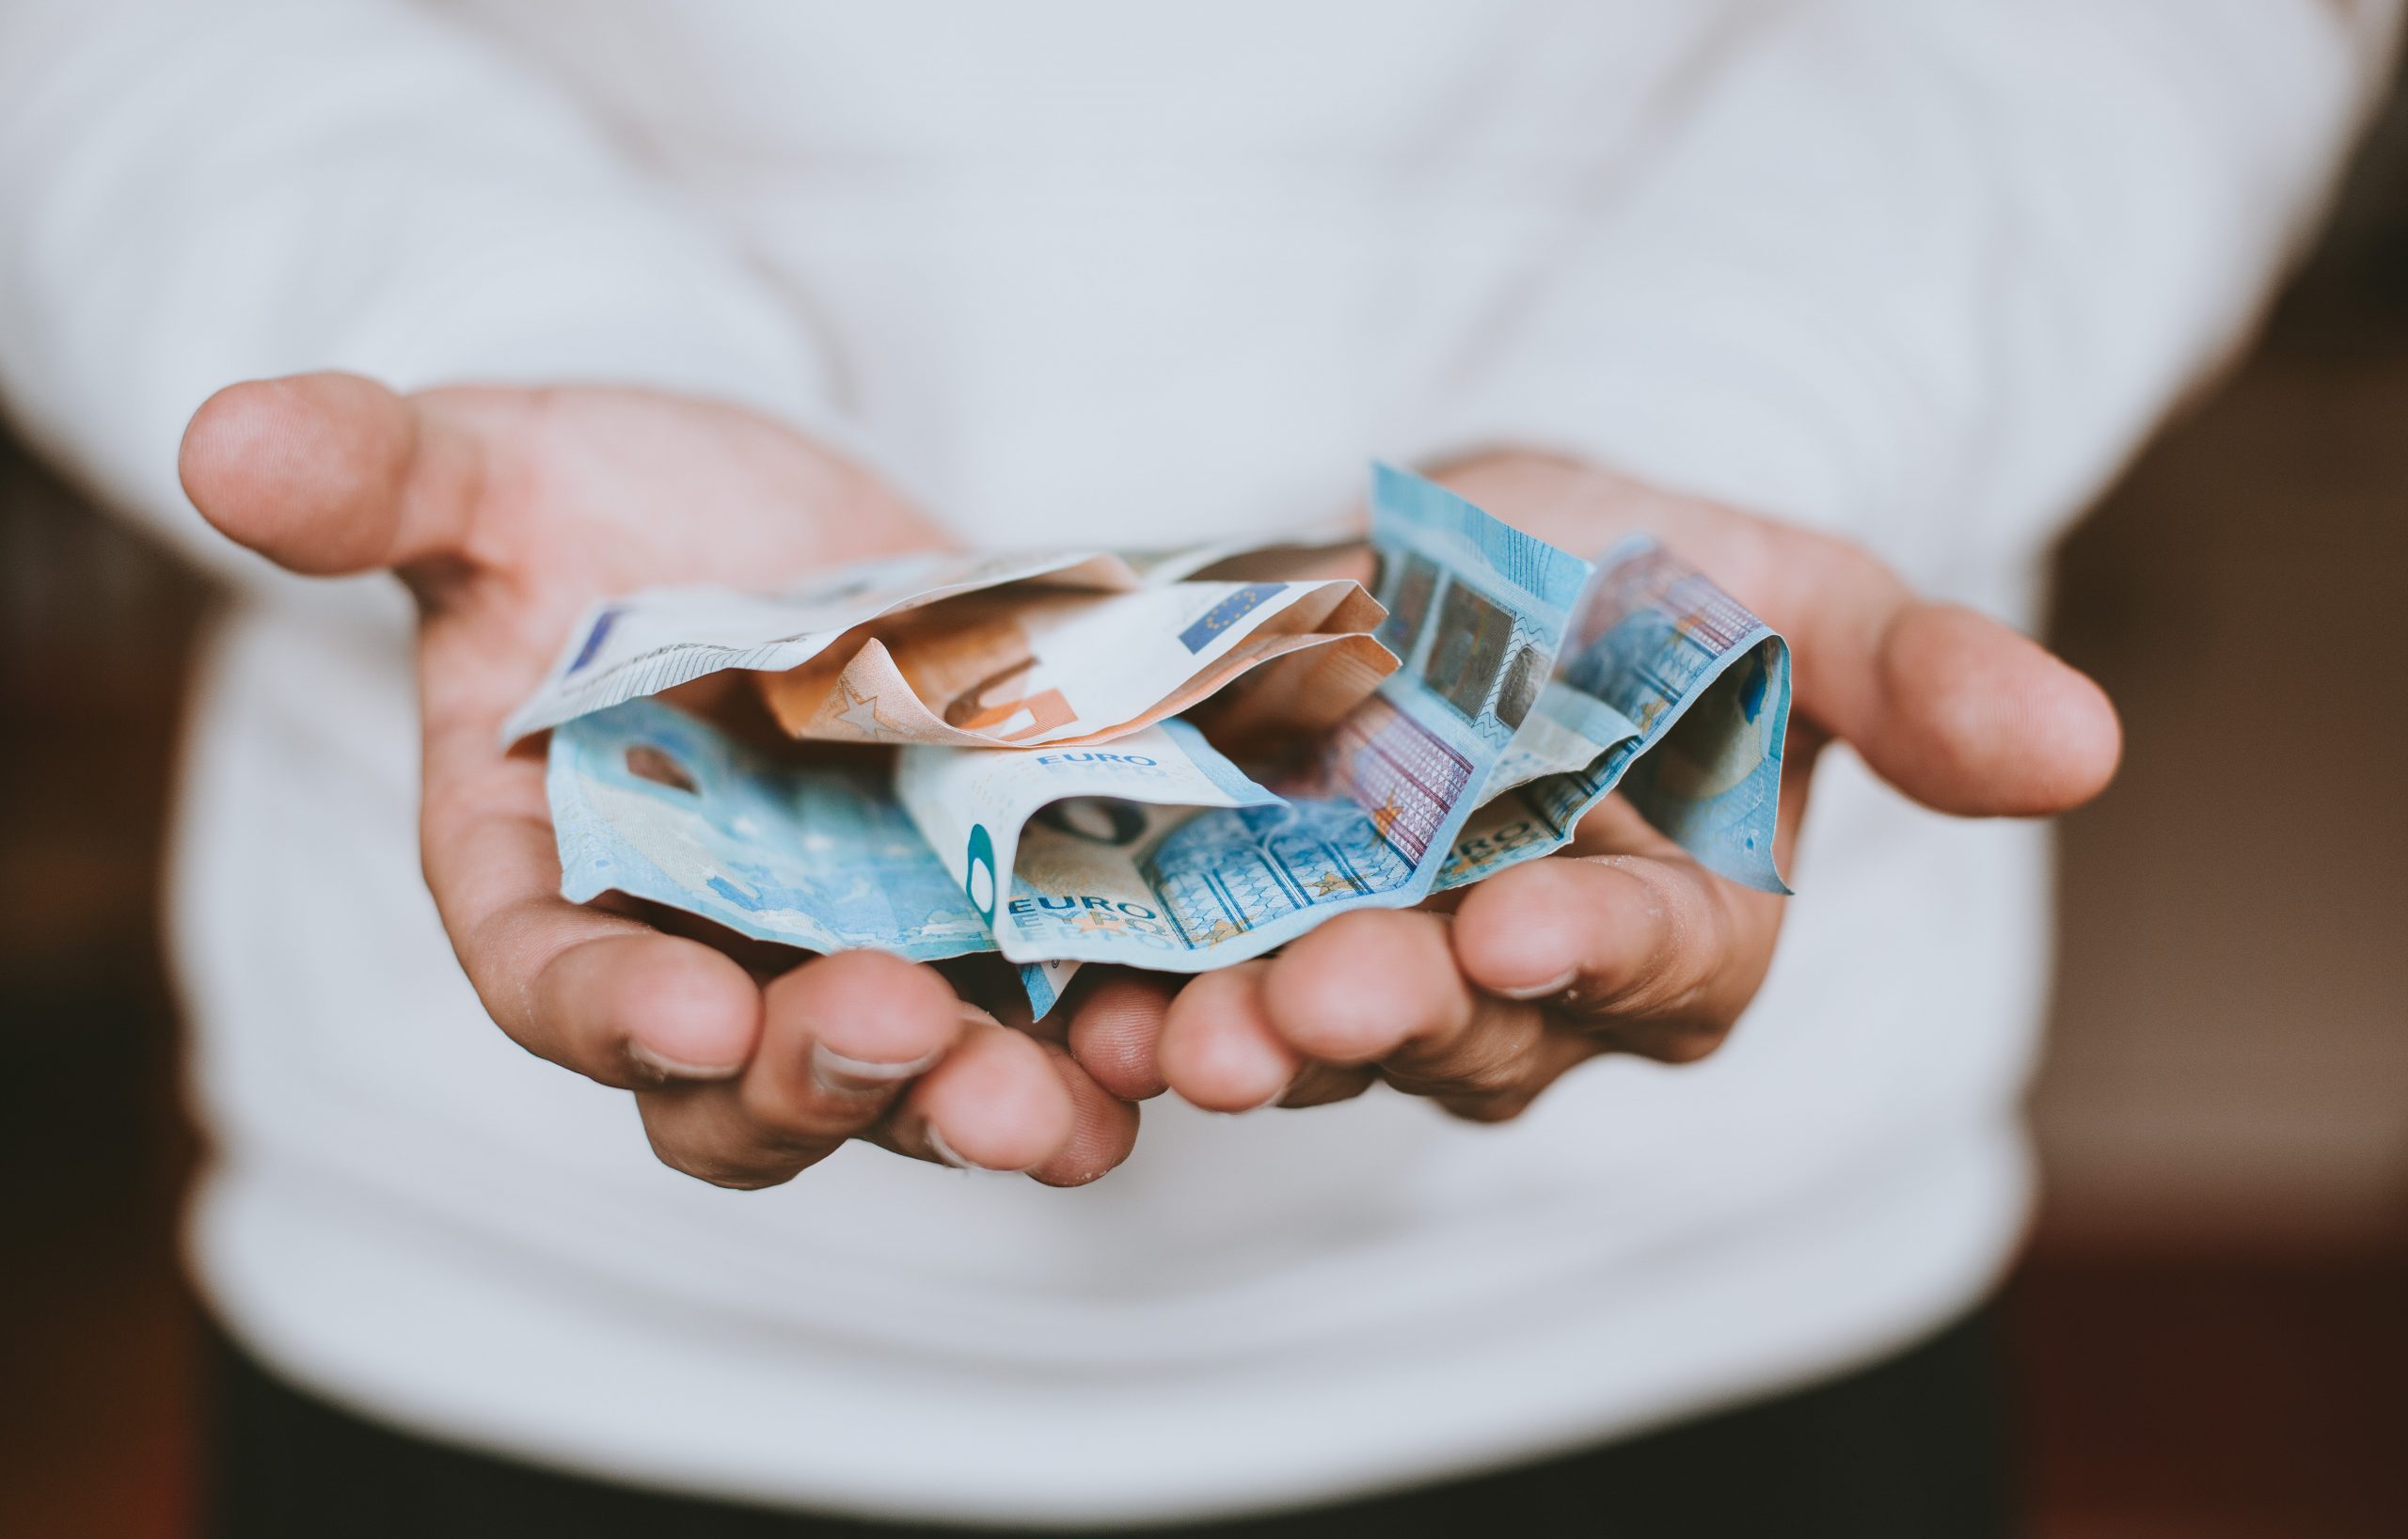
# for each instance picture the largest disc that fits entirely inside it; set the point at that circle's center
(658, 805)
(652, 802)
(1017, 667)
(825, 855)
(649, 642)
(1526, 693)
(975, 806)
(653, 640)
(1670, 691)
(1366, 817)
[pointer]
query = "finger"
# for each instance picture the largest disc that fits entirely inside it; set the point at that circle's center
(1364, 985)
(843, 1038)
(1103, 1128)
(1959, 711)
(1657, 952)
(613, 1000)
(1384, 998)
(1384, 987)
(996, 1102)
(335, 473)
(330, 474)
(761, 960)
(985, 980)
(1218, 1049)
(1555, 1051)
(701, 1131)
(1116, 1031)
(593, 991)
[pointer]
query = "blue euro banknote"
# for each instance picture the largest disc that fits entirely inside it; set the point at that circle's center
(830, 854)
(1477, 611)
(1678, 696)
(649, 802)
(1668, 689)
(1530, 689)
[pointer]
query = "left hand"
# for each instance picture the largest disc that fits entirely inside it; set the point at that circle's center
(1621, 942)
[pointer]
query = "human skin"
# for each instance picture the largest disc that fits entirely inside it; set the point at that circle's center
(506, 509)
(1620, 942)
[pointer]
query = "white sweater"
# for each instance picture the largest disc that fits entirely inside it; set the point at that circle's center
(1921, 271)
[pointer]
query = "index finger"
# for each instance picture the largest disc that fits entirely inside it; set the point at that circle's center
(1960, 711)
(594, 991)
(1658, 954)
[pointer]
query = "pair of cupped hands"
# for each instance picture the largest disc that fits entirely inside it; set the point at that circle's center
(506, 511)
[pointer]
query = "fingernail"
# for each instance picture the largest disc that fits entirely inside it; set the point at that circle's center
(840, 1074)
(952, 1156)
(668, 1068)
(1543, 990)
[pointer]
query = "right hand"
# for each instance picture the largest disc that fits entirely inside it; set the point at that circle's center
(506, 511)
(1621, 942)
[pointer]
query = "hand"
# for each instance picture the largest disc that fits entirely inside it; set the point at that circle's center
(1620, 944)
(506, 512)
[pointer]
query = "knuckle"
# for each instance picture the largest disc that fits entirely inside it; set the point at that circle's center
(1694, 964)
(1492, 1075)
(1498, 1058)
(716, 1169)
(775, 1116)
(1681, 1041)
(1322, 1084)
(1488, 1110)
(742, 1181)
(803, 1103)
(736, 1170)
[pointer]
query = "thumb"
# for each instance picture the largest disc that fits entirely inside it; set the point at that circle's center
(1954, 709)
(328, 473)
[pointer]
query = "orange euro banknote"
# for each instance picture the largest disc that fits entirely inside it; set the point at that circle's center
(1025, 666)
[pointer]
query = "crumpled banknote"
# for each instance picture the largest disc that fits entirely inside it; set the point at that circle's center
(1527, 691)
(1670, 691)
(1667, 690)
(649, 802)
(1021, 667)
(1368, 814)
(984, 650)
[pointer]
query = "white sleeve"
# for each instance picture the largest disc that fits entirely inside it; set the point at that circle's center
(194, 193)
(1926, 271)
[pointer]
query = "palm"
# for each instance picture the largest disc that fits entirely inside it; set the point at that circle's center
(1623, 943)
(544, 502)
(507, 512)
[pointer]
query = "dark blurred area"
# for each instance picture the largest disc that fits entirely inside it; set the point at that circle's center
(2210, 1330)
(97, 1336)
(2212, 1322)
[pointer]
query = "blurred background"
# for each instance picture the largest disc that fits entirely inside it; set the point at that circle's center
(2211, 1328)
